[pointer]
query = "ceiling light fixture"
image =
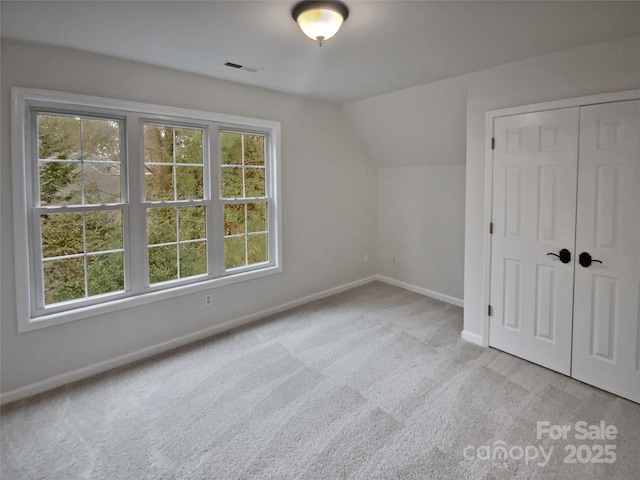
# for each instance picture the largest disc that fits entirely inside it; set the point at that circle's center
(320, 20)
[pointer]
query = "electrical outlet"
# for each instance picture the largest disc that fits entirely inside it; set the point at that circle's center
(366, 258)
(208, 299)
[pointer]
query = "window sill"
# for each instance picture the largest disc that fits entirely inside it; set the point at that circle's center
(81, 313)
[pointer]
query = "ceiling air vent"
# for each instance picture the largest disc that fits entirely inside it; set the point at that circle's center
(242, 67)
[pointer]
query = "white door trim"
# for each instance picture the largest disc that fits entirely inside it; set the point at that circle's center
(488, 176)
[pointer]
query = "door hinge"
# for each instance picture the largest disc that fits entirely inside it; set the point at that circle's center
(491, 228)
(489, 310)
(493, 143)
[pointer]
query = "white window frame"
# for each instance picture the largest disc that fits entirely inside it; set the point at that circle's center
(137, 290)
(230, 128)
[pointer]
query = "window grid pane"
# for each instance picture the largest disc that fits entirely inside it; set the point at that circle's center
(257, 248)
(243, 165)
(64, 280)
(177, 243)
(105, 273)
(163, 263)
(235, 252)
(174, 163)
(246, 234)
(82, 254)
(193, 258)
(79, 160)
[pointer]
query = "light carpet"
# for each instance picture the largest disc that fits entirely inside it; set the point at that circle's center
(372, 383)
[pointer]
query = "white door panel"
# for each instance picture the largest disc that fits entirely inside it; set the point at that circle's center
(606, 338)
(534, 208)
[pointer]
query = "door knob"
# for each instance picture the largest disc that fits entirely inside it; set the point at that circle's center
(585, 259)
(564, 255)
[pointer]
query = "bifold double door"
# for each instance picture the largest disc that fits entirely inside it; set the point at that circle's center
(565, 248)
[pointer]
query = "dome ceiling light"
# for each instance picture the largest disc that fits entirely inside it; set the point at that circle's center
(320, 20)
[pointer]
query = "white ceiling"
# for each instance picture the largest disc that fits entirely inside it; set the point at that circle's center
(383, 46)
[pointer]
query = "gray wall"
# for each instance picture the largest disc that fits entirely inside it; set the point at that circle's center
(416, 201)
(417, 138)
(606, 67)
(421, 225)
(329, 218)
(430, 207)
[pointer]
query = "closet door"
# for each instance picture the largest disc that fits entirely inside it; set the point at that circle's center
(534, 208)
(606, 332)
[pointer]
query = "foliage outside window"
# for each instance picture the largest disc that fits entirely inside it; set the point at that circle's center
(243, 192)
(122, 202)
(79, 172)
(174, 173)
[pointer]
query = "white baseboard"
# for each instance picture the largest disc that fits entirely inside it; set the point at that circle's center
(468, 336)
(472, 338)
(422, 291)
(88, 371)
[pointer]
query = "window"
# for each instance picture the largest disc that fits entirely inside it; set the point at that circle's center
(246, 233)
(119, 203)
(175, 202)
(79, 207)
